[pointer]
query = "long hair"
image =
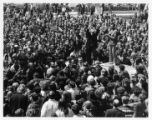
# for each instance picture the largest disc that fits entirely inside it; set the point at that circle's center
(64, 103)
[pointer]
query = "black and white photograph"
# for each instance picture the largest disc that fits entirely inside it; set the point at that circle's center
(76, 60)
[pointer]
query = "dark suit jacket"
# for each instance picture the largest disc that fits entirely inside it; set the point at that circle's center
(91, 39)
(18, 101)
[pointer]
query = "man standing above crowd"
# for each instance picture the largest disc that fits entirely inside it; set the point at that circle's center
(91, 43)
(113, 36)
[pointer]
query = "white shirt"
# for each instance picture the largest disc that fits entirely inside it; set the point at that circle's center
(73, 92)
(49, 108)
(60, 113)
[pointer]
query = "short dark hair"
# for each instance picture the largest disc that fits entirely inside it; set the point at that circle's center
(122, 67)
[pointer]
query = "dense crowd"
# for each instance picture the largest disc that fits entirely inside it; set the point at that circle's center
(52, 64)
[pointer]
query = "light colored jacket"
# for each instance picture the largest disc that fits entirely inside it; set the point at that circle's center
(49, 108)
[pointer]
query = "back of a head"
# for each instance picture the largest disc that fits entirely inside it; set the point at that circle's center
(52, 95)
(122, 67)
(53, 86)
(66, 96)
(37, 89)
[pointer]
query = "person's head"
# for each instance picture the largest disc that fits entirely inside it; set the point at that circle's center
(104, 81)
(21, 88)
(72, 84)
(140, 69)
(125, 100)
(15, 85)
(36, 75)
(142, 97)
(120, 90)
(34, 97)
(126, 82)
(52, 95)
(19, 112)
(112, 26)
(30, 65)
(141, 77)
(111, 70)
(49, 72)
(75, 108)
(32, 113)
(136, 90)
(116, 103)
(37, 89)
(66, 97)
(87, 105)
(90, 80)
(99, 91)
(122, 67)
(30, 86)
(116, 78)
(104, 72)
(53, 86)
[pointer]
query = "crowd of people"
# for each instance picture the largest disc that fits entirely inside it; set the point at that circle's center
(52, 64)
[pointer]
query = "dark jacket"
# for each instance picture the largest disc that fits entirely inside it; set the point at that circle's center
(18, 101)
(91, 39)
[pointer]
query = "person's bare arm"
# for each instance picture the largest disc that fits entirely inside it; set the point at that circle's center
(111, 37)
